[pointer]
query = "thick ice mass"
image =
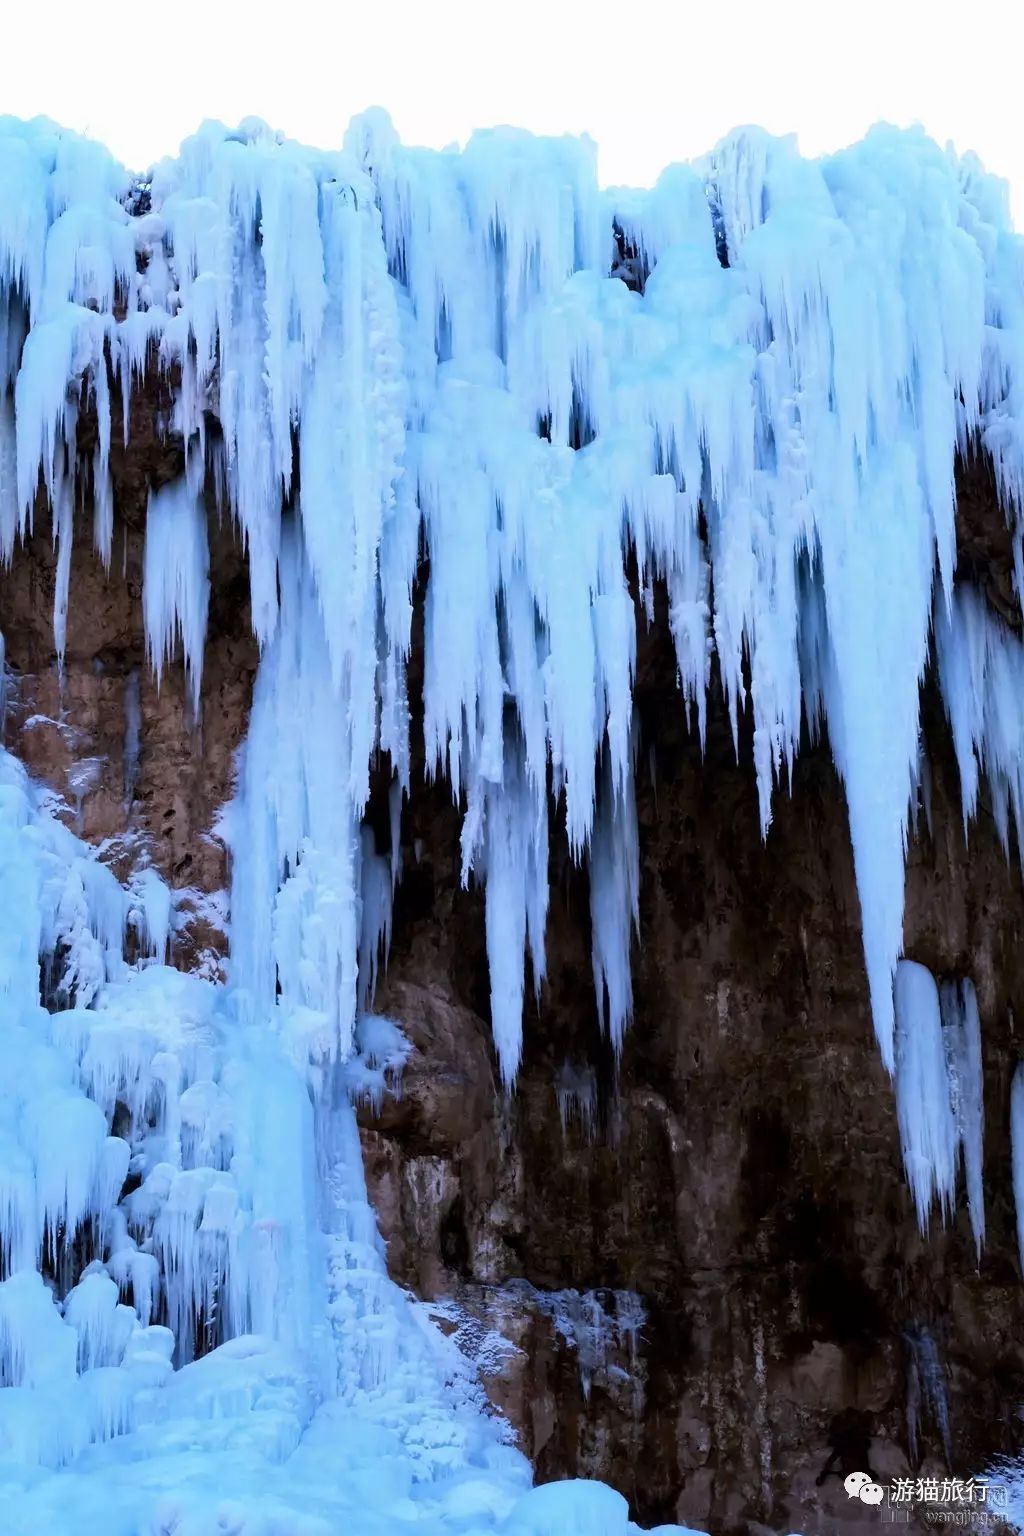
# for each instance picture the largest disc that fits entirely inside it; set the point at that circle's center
(233, 1355)
(542, 401)
(939, 1092)
(409, 350)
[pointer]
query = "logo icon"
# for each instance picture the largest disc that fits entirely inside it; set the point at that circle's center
(860, 1485)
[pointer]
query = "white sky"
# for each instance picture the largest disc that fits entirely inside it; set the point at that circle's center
(652, 81)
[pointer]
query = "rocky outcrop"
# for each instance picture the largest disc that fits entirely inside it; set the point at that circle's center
(692, 1272)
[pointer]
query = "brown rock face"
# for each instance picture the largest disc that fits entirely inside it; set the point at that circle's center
(693, 1272)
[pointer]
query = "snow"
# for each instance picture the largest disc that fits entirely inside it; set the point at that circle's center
(389, 365)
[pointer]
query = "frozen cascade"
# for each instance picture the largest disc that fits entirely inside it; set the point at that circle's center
(1017, 1144)
(927, 1125)
(411, 351)
(296, 889)
(232, 1355)
(175, 584)
(926, 1389)
(940, 1092)
(405, 346)
(961, 1033)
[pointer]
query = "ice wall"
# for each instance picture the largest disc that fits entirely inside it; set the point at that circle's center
(197, 1329)
(478, 371)
(411, 354)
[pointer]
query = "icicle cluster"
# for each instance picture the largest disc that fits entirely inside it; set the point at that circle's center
(1017, 1152)
(197, 1328)
(429, 343)
(940, 1092)
(749, 385)
(926, 1390)
(408, 349)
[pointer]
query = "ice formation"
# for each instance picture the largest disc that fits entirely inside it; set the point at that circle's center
(1017, 1145)
(404, 348)
(576, 1093)
(595, 1325)
(940, 1092)
(232, 1356)
(926, 1390)
(479, 371)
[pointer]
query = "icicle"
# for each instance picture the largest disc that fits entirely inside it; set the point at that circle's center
(63, 532)
(1017, 1147)
(981, 672)
(157, 911)
(10, 513)
(961, 1032)
(396, 793)
(375, 933)
(614, 906)
(132, 734)
(176, 581)
(576, 1092)
(516, 895)
(926, 1386)
(927, 1128)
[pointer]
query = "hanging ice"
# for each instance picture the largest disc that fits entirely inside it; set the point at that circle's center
(981, 668)
(216, 1281)
(927, 1126)
(376, 355)
(399, 345)
(961, 1033)
(939, 1092)
(175, 582)
(1017, 1146)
